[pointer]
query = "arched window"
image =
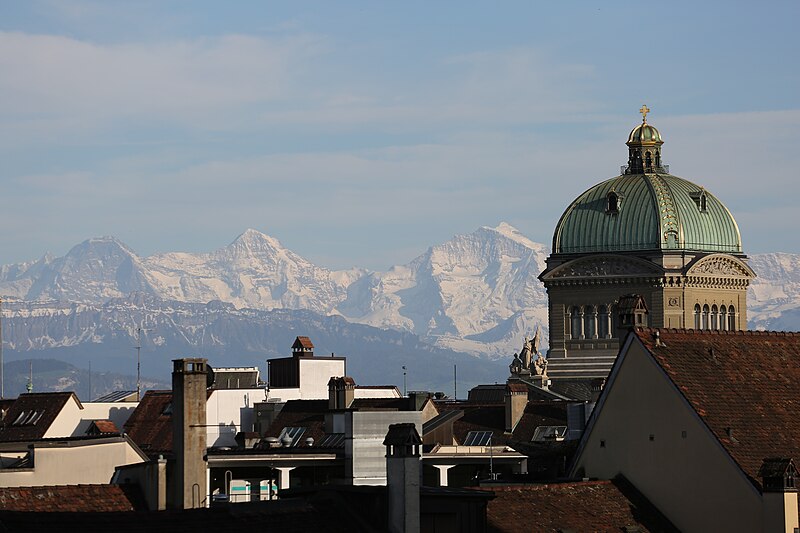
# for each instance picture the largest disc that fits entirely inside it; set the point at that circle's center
(603, 330)
(714, 317)
(697, 316)
(705, 317)
(612, 203)
(648, 160)
(576, 323)
(658, 158)
(723, 318)
(590, 322)
(731, 319)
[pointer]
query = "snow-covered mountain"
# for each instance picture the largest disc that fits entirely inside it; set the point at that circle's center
(773, 301)
(476, 293)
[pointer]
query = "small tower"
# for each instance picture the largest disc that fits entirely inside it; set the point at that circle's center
(403, 472)
(303, 347)
(644, 148)
(189, 383)
(632, 313)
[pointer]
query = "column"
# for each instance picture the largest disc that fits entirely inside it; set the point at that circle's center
(284, 470)
(443, 474)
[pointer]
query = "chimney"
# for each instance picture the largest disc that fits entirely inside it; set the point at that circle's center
(779, 495)
(341, 392)
(189, 382)
(403, 474)
(516, 399)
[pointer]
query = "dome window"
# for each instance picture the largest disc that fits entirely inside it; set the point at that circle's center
(613, 201)
(701, 199)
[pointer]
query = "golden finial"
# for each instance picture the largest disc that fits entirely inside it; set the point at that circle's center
(644, 111)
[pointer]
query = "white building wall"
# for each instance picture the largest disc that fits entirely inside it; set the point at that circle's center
(314, 376)
(365, 454)
(117, 412)
(67, 422)
(88, 464)
(230, 411)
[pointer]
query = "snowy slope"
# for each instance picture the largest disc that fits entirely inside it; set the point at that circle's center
(459, 292)
(773, 300)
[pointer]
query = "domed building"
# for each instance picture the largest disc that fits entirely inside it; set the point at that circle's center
(643, 248)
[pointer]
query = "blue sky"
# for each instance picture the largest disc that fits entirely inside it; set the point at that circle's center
(359, 133)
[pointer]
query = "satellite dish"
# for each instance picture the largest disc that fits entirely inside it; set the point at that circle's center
(209, 376)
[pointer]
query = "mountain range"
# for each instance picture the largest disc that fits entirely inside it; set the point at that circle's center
(475, 294)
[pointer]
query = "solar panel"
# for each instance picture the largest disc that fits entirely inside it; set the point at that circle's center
(293, 433)
(478, 438)
(332, 440)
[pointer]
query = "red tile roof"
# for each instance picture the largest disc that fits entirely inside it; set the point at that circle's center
(539, 413)
(32, 414)
(149, 426)
(742, 384)
(577, 506)
(68, 498)
(303, 342)
(103, 427)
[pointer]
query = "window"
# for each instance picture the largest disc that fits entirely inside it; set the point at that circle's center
(706, 312)
(731, 319)
(696, 316)
(478, 438)
(612, 203)
(714, 316)
(648, 161)
(723, 318)
(549, 433)
(590, 322)
(602, 322)
(576, 323)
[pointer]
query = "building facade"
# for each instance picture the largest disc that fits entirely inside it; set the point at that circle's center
(645, 248)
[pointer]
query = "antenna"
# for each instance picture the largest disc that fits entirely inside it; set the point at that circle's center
(2, 370)
(455, 382)
(29, 386)
(139, 363)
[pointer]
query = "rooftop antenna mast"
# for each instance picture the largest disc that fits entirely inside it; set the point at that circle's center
(139, 363)
(2, 370)
(29, 386)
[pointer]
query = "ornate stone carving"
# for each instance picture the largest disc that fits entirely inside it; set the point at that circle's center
(601, 267)
(674, 302)
(718, 266)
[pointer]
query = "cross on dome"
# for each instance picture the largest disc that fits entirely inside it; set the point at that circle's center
(644, 111)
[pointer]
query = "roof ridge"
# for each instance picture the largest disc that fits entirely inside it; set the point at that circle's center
(707, 332)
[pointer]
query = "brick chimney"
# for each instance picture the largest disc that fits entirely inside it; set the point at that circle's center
(516, 399)
(779, 495)
(341, 392)
(403, 475)
(189, 382)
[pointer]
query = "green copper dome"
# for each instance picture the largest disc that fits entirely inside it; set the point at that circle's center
(646, 208)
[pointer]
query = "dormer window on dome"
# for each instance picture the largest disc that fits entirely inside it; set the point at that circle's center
(644, 149)
(613, 203)
(701, 199)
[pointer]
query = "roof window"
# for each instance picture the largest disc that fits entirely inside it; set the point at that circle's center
(613, 201)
